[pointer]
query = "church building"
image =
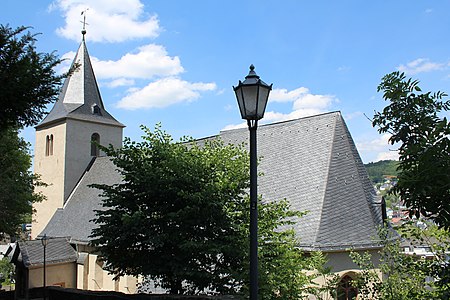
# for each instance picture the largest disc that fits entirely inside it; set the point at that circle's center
(65, 149)
(312, 162)
(64, 138)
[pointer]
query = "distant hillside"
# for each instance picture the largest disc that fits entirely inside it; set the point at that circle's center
(381, 168)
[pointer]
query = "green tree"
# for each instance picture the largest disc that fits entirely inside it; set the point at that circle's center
(17, 182)
(285, 271)
(415, 121)
(406, 277)
(180, 217)
(378, 170)
(27, 78)
(6, 270)
(28, 83)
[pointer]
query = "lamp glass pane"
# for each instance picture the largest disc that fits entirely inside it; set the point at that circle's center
(262, 101)
(250, 93)
(240, 100)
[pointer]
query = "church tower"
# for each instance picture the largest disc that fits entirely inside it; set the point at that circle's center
(63, 147)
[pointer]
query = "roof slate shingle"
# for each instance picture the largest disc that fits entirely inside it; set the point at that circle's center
(313, 162)
(74, 219)
(58, 250)
(79, 93)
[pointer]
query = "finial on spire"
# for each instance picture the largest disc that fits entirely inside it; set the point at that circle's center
(83, 13)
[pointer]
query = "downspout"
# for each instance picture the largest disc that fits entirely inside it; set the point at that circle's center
(384, 210)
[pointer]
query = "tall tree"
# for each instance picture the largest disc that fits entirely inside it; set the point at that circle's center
(180, 217)
(168, 219)
(28, 83)
(27, 78)
(17, 182)
(418, 124)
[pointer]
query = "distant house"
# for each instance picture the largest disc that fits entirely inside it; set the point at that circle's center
(313, 162)
(61, 268)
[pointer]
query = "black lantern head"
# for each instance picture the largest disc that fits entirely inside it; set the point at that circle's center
(252, 96)
(44, 240)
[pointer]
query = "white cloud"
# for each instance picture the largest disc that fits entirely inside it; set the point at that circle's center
(150, 61)
(379, 143)
(310, 101)
(272, 116)
(353, 115)
(229, 107)
(283, 95)
(234, 126)
(390, 155)
(163, 93)
(302, 98)
(304, 104)
(67, 59)
(378, 148)
(108, 20)
(119, 21)
(420, 65)
(343, 69)
(120, 82)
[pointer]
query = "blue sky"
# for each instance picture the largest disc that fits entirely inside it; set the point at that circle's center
(175, 62)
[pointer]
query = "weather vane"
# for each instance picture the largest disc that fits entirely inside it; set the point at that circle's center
(83, 13)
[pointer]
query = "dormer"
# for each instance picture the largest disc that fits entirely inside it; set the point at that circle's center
(96, 110)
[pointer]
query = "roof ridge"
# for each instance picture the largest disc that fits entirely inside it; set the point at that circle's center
(88, 167)
(365, 182)
(302, 118)
(342, 194)
(337, 112)
(326, 181)
(89, 65)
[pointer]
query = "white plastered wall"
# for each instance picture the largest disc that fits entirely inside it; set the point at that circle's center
(92, 276)
(341, 264)
(60, 275)
(51, 169)
(78, 148)
(63, 169)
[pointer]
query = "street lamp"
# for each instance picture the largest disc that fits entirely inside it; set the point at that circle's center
(44, 242)
(252, 96)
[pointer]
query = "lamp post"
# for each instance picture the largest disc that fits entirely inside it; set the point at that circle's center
(44, 242)
(252, 96)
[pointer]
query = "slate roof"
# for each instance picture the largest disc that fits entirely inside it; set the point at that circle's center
(73, 221)
(312, 162)
(79, 93)
(58, 250)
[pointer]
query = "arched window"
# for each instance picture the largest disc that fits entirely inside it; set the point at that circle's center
(346, 289)
(95, 142)
(49, 145)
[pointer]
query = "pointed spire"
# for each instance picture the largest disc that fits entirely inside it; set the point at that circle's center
(80, 96)
(81, 83)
